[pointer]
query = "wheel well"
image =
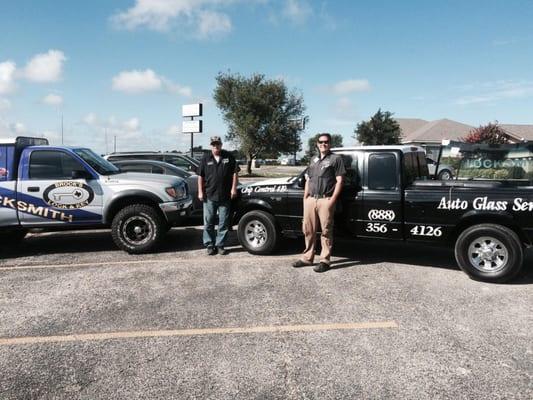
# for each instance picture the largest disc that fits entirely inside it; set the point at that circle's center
(254, 207)
(122, 202)
(489, 219)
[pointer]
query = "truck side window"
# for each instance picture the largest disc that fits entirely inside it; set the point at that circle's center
(136, 168)
(352, 172)
(410, 168)
(46, 164)
(382, 172)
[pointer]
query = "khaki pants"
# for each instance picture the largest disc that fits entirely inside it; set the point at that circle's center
(317, 211)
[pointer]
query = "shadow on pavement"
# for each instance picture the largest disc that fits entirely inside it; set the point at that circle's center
(352, 253)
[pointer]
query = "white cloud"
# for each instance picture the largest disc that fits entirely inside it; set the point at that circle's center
(125, 130)
(132, 124)
(134, 82)
(349, 86)
(297, 11)
(53, 100)
(198, 16)
(46, 67)
(52, 136)
(7, 77)
(5, 104)
(213, 24)
(491, 92)
(174, 88)
(137, 81)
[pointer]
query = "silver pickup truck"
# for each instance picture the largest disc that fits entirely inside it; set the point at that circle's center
(58, 188)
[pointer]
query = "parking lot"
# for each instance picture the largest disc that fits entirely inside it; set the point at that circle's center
(80, 319)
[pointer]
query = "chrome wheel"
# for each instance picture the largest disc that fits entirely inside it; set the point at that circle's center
(445, 175)
(137, 230)
(488, 254)
(255, 233)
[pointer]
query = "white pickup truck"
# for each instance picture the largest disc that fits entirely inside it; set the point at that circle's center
(58, 188)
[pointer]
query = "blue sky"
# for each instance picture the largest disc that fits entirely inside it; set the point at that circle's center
(125, 67)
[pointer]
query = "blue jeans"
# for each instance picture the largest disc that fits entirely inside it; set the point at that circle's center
(210, 212)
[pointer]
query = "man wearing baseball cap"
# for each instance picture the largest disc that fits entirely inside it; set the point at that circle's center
(217, 185)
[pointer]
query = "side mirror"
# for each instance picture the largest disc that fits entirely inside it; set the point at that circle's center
(81, 174)
(301, 181)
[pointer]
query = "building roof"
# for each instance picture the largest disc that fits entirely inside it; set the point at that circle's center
(435, 131)
(520, 132)
(409, 125)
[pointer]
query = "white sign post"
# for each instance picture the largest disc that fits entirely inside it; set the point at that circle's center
(191, 126)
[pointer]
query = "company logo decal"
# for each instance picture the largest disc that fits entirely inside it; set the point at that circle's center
(68, 195)
(248, 190)
(387, 215)
(485, 204)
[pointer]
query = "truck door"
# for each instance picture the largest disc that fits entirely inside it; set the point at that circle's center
(48, 194)
(381, 212)
(8, 211)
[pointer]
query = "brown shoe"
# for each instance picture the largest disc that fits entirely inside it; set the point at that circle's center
(300, 263)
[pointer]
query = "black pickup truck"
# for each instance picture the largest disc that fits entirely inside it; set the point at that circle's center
(485, 212)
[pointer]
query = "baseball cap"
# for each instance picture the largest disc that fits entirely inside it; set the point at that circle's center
(215, 139)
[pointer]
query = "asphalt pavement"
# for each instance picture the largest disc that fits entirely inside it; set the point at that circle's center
(80, 319)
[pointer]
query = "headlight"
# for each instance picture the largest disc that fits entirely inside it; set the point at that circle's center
(178, 192)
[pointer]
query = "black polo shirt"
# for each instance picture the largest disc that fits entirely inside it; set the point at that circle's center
(322, 174)
(218, 176)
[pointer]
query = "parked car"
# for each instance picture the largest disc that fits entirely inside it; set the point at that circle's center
(288, 161)
(160, 167)
(446, 172)
(179, 160)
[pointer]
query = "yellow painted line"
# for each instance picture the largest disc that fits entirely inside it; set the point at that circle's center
(195, 332)
(194, 260)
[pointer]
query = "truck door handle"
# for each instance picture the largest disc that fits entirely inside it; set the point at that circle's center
(33, 188)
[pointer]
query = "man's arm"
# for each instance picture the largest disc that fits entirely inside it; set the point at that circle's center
(306, 189)
(338, 189)
(234, 186)
(201, 188)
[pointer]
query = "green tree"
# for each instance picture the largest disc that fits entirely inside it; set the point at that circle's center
(260, 114)
(491, 133)
(312, 149)
(380, 129)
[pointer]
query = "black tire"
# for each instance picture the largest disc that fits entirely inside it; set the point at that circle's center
(137, 228)
(445, 175)
(257, 232)
(489, 253)
(12, 237)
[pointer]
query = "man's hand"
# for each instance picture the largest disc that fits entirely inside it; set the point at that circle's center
(201, 196)
(233, 193)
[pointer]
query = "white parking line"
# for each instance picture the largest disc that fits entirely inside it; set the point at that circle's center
(134, 262)
(196, 332)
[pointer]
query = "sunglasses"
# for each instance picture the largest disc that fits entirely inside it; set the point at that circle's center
(323, 141)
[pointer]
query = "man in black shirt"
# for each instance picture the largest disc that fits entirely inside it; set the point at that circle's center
(322, 189)
(217, 185)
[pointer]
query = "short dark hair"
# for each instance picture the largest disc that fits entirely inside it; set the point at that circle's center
(324, 134)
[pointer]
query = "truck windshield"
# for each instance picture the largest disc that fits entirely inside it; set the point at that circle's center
(103, 167)
(490, 162)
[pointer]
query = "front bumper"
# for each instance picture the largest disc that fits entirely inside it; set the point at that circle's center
(175, 210)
